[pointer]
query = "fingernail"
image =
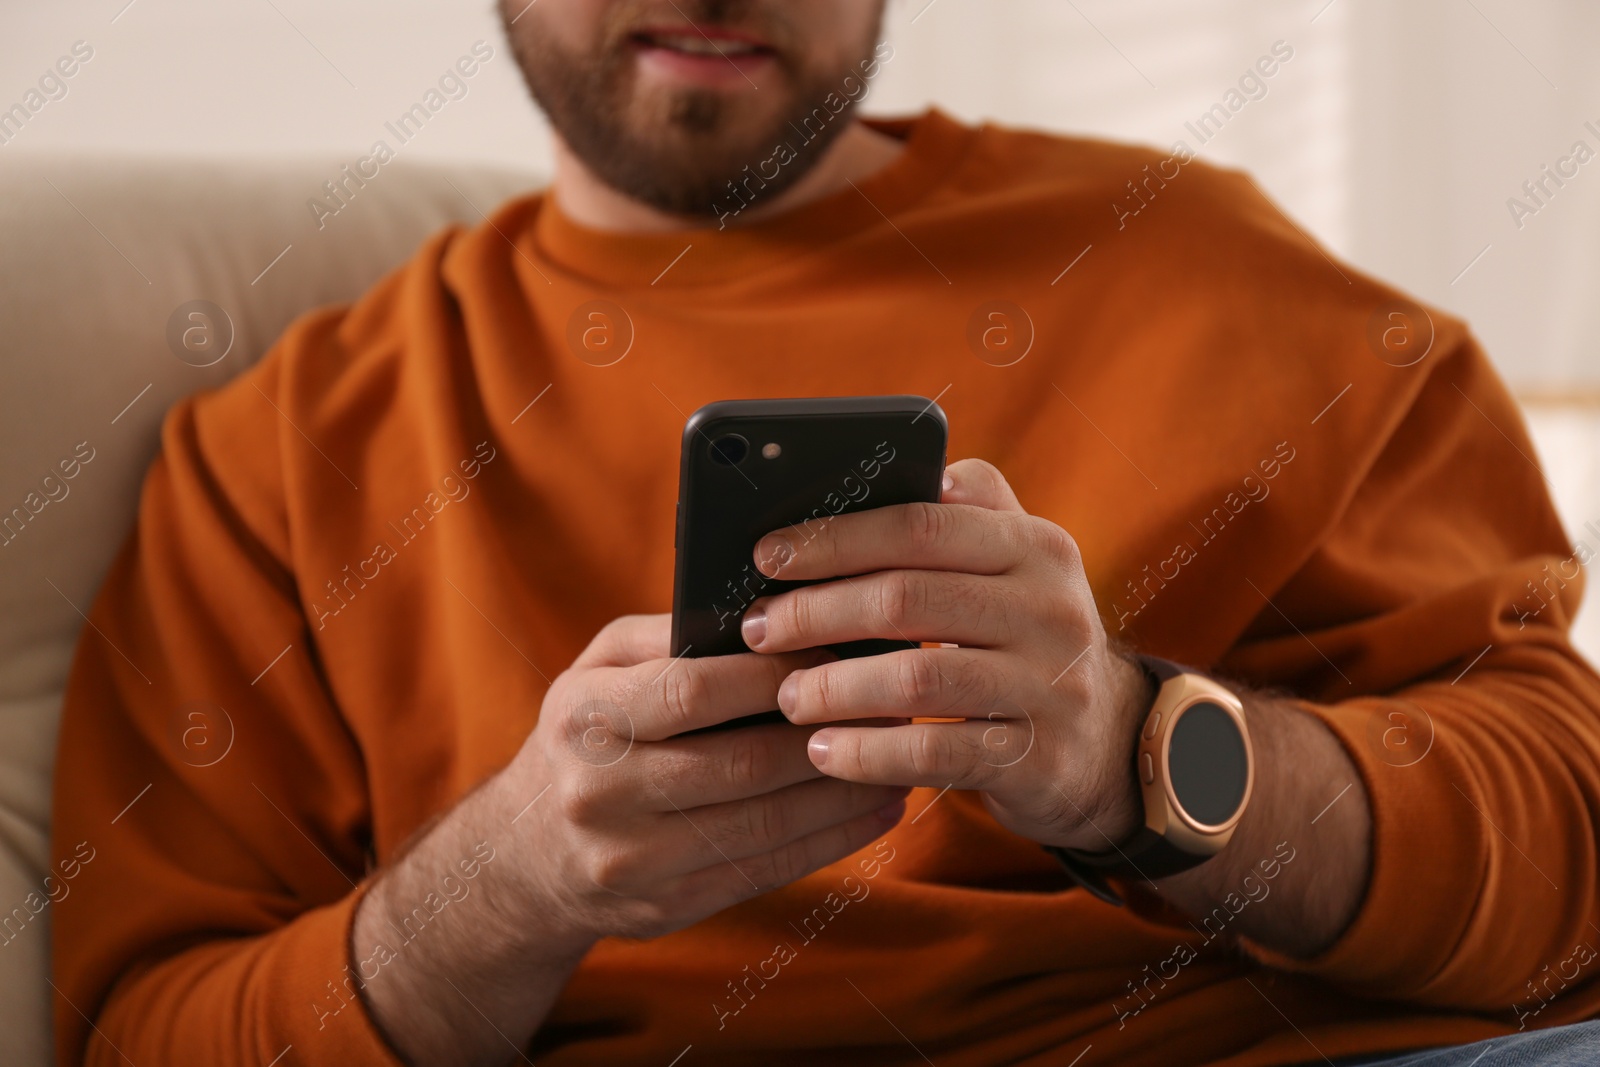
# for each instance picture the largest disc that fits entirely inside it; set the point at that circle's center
(949, 483)
(773, 553)
(818, 748)
(891, 813)
(754, 626)
(788, 691)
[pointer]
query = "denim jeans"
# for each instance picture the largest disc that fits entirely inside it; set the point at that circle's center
(1577, 1045)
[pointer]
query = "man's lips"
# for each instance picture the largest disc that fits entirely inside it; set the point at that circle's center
(705, 40)
(703, 54)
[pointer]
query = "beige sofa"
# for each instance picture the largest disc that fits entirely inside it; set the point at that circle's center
(124, 285)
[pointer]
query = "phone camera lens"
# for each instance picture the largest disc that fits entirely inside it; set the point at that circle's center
(730, 449)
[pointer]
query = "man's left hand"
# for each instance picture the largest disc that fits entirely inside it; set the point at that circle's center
(1049, 709)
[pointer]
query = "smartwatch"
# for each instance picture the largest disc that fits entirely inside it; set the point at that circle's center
(1195, 769)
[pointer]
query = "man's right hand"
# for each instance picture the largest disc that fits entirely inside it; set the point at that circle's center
(608, 822)
(640, 831)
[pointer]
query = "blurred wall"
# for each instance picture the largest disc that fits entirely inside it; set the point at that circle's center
(1398, 134)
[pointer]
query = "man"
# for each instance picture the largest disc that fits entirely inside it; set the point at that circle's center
(403, 562)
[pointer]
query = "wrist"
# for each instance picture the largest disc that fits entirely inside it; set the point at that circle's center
(459, 933)
(1195, 771)
(1119, 809)
(480, 890)
(539, 923)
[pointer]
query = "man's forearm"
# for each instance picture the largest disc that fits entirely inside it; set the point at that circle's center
(453, 980)
(1308, 798)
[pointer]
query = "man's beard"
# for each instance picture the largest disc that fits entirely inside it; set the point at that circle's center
(679, 152)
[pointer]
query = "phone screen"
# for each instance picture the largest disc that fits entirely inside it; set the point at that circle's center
(753, 466)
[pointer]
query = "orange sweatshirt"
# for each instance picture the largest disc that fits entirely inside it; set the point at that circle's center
(357, 567)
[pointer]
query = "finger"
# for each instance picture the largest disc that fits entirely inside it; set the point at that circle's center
(961, 683)
(973, 481)
(931, 536)
(725, 766)
(724, 833)
(628, 640)
(963, 755)
(660, 698)
(728, 765)
(751, 877)
(906, 605)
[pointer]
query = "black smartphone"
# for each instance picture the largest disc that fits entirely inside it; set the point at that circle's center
(749, 467)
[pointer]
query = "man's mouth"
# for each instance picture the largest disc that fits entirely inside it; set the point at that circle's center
(701, 51)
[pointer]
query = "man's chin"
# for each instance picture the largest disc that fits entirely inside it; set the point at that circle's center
(701, 132)
(697, 152)
(707, 166)
(700, 193)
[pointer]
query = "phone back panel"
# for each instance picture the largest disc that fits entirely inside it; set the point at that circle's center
(834, 455)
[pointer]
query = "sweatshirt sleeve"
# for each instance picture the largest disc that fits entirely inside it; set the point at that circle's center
(207, 787)
(1428, 628)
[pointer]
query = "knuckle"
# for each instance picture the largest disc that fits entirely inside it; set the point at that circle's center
(900, 593)
(1062, 615)
(827, 693)
(682, 692)
(569, 721)
(927, 752)
(1004, 742)
(616, 635)
(1064, 611)
(746, 765)
(1054, 541)
(793, 615)
(578, 801)
(610, 635)
(847, 754)
(766, 821)
(610, 869)
(594, 729)
(926, 525)
(785, 864)
(918, 680)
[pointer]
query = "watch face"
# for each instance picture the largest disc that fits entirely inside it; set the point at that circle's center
(1206, 763)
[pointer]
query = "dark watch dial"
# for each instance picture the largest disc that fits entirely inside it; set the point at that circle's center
(1206, 763)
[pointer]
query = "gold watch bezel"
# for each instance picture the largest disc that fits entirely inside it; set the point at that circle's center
(1164, 815)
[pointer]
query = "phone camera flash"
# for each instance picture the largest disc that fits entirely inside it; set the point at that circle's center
(771, 450)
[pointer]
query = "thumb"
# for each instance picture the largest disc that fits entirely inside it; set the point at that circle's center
(973, 481)
(628, 640)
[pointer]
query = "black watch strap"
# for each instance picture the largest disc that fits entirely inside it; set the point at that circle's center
(1145, 854)
(1159, 670)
